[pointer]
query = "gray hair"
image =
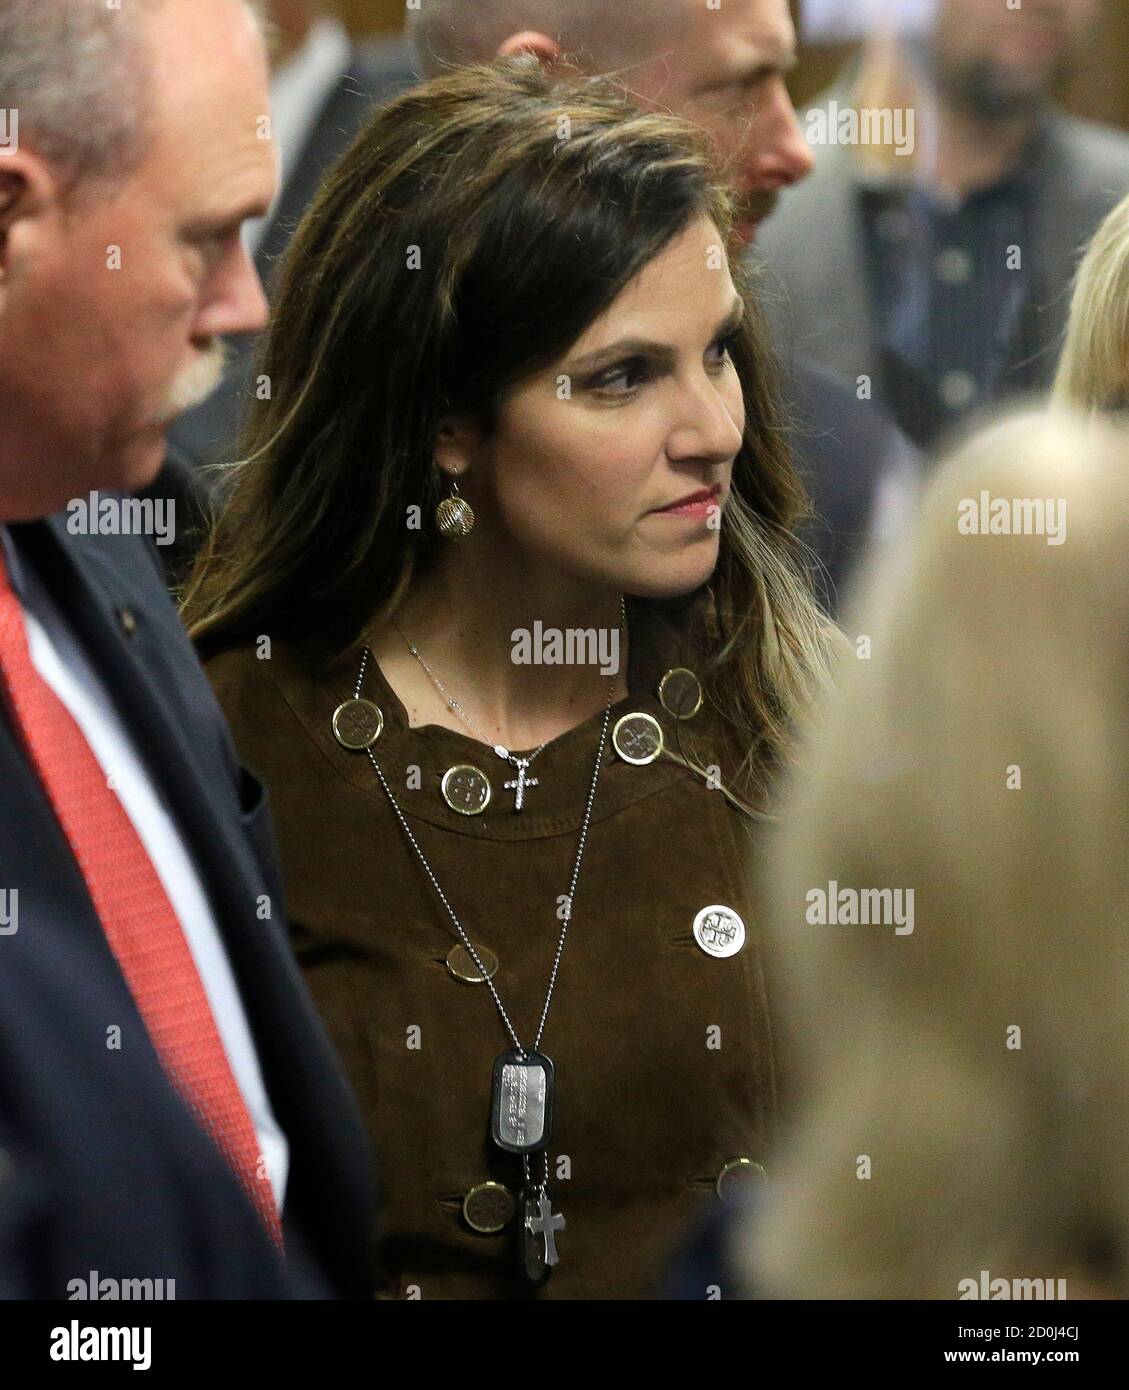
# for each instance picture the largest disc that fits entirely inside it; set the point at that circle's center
(601, 35)
(76, 74)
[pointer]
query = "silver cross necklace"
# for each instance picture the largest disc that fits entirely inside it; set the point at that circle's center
(523, 1081)
(522, 781)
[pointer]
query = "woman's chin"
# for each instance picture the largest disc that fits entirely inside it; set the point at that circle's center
(671, 582)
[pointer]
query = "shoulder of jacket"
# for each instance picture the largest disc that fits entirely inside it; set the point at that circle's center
(1090, 148)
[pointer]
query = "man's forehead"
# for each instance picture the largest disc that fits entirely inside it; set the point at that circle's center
(207, 55)
(765, 24)
(211, 114)
(218, 144)
(729, 43)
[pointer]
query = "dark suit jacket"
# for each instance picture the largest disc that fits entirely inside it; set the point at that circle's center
(846, 451)
(105, 1168)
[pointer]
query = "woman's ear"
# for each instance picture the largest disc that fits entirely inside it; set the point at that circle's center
(457, 446)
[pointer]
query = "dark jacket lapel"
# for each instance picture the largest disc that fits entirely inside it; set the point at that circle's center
(108, 587)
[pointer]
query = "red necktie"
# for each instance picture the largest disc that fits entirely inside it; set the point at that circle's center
(140, 923)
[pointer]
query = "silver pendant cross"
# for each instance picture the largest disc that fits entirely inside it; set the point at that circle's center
(546, 1225)
(521, 782)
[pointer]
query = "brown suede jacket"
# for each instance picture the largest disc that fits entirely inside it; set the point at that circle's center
(662, 1051)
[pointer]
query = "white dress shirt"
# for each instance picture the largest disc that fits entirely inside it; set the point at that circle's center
(298, 91)
(62, 663)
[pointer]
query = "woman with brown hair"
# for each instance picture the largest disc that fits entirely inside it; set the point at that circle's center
(506, 610)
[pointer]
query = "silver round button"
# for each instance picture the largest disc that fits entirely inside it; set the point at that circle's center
(680, 692)
(954, 265)
(739, 1175)
(461, 966)
(719, 931)
(638, 738)
(466, 789)
(958, 390)
(489, 1208)
(357, 724)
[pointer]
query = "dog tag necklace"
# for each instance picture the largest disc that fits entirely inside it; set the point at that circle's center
(521, 1105)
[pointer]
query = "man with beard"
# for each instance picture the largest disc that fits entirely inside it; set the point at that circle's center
(937, 268)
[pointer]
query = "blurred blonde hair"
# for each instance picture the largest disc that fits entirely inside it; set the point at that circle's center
(990, 654)
(1093, 371)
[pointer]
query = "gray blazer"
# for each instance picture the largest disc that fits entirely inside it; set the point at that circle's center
(815, 288)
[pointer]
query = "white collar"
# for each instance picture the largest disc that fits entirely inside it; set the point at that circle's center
(298, 92)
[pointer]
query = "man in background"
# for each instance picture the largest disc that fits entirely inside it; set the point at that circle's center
(322, 89)
(170, 1107)
(934, 261)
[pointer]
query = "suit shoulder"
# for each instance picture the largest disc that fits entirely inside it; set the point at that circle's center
(131, 557)
(385, 63)
(826, 404)
(1100, 149)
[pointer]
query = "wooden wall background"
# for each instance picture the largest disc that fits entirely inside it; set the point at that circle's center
(1100, 92)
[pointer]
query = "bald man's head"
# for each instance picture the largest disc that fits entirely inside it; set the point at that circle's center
(449, 33)
(721, 66)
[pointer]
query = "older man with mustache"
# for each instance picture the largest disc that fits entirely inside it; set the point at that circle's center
(170, 1107)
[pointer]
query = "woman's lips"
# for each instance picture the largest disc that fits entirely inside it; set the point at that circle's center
(698, 504)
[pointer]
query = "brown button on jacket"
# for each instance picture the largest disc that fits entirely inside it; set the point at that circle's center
(663, 1056)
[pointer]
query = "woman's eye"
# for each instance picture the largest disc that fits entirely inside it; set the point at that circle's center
(628, 376)
(622, 380)
(722, 348)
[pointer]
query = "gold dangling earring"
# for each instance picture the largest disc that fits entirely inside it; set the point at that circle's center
(454, 515)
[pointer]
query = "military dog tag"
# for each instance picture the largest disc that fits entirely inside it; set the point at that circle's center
(521, 1111)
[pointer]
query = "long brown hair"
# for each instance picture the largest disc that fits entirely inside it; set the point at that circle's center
(478, 225)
